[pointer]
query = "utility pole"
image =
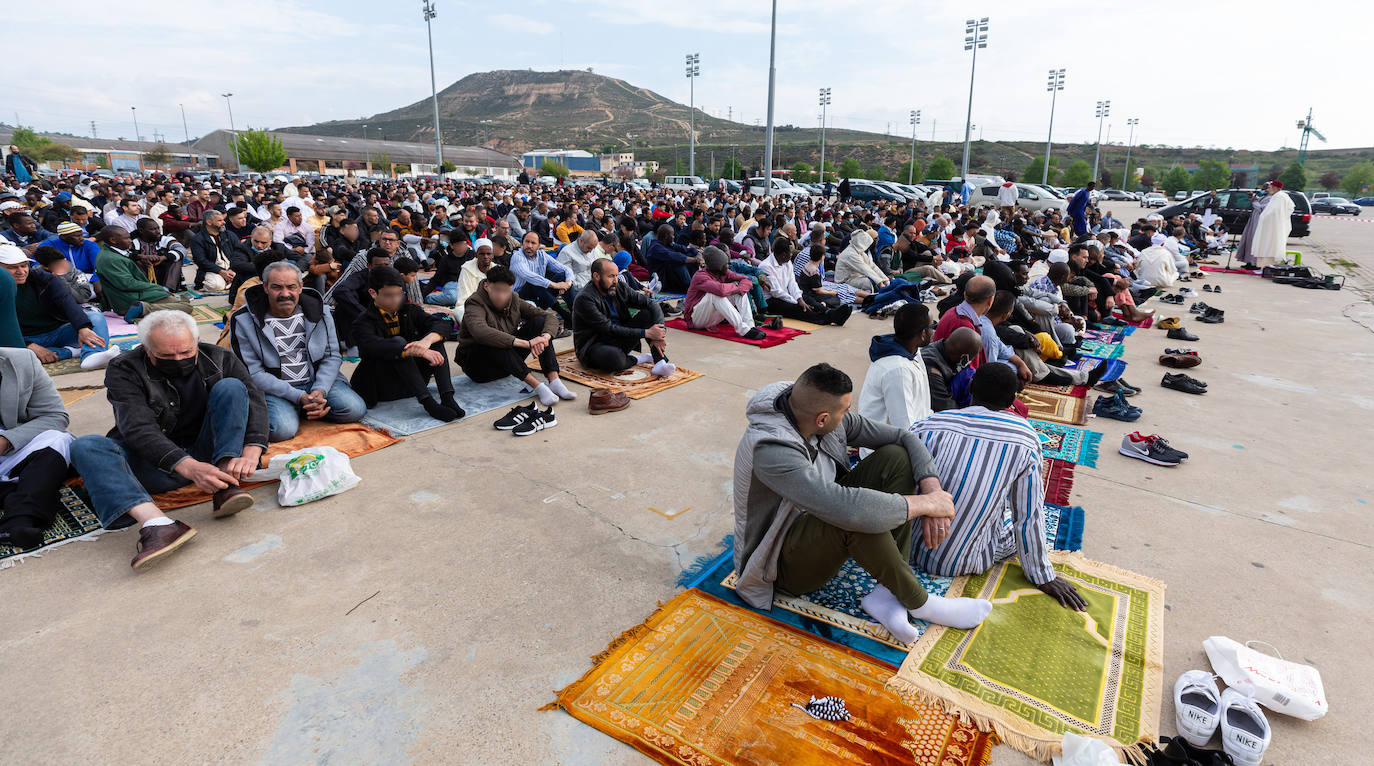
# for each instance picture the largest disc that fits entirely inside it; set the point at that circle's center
(134, 111)
(693, 71)
(93, 133)
(430, 13)
(772, 78)
(184, 129)
(975, 38)
(1103, 109)
(911, 164)
(824, 102)
(1053, 85)
(1126, 172)
(237, 164)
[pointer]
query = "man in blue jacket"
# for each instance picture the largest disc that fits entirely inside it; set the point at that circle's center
(286, 338)
(49, 317)
(1078, 208)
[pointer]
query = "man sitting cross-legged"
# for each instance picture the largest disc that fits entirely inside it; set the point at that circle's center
(185, 413)
(52, 321)
(501, 330)
(34, 448)
(991, 458)
(947, 367)
(800, 513)
(285, 335)
(610, 320)
(716, 294)
(401, 347)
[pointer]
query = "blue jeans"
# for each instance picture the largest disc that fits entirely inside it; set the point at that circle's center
(119, 478)
(445, 296)
(284, 417)
(756, 294)
(63, 337)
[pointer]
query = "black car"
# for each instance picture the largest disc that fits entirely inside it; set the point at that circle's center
(1335, 206)
(866, 192)
(1234, 206)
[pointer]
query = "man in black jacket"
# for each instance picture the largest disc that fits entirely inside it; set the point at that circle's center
(610, 320)
(401, 347)
(216, 251)
(351, 297)
(185, 413)
(49, 317)
(945, 360)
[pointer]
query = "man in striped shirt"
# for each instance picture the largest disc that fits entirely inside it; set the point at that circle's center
(988, 458)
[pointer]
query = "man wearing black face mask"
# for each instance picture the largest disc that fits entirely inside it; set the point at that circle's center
(185, 413)
(946, 360)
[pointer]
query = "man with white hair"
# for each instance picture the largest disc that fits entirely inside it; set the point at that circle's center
(285, 335)
(185, 412)
(577, 256)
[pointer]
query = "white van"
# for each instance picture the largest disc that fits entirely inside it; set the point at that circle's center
(684, 183)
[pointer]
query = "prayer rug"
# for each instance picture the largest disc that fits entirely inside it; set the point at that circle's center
(1104, 336)
(1034, 670)
(1058, 478)
(208, 314)
(726, 332)
(117, 327)
(352, 439)
(404, 417)
(1101, 350)
(1066, 389)
(73, 365)
(1115, 367)
(1126, 330)
(197, 294)
(702, 683)
(1143, 324)
(1222, 270)
(1063, 442)
(833, 612)
(1051, 405)
(75, 521)
(636, 382)
(71, 396)
(797, 324)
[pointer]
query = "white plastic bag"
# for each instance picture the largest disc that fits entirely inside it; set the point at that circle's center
(309, 474)
(1085, 751)
(1282, 686)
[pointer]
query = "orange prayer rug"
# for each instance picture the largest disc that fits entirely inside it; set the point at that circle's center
(1044, 403)
(702, 683)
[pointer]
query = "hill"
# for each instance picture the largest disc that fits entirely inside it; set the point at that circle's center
(518, 110)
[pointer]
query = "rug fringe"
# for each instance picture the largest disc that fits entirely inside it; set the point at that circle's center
(632, 634)
(704, 563)
(1092, 440)
(37, 553)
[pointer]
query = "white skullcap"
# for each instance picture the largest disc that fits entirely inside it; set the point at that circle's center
(1059, 256)
(1158, 239)
(481, 241)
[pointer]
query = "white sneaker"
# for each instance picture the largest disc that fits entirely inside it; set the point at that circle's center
(1187, 292)
(1245, 731)
(1197, 706)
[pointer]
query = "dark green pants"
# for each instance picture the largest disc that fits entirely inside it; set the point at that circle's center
(814, 550)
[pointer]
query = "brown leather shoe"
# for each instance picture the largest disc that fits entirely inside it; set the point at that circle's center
(604, 400)
(1179, 361)
(231, 500)
(156, 542)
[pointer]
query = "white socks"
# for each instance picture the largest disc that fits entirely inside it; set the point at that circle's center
(663, 368)
(546, 396)
(642, 357)
(160, 521)
(100, 358)
(556, 386)
(960, 613)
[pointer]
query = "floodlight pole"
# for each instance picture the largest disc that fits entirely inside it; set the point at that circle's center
(1053, 85)
(975, 37)
(430, 13)
(772, 78)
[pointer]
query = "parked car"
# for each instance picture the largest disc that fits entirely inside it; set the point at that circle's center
(1320, 195)
(1180, 195)
(1234, 207)
(1154, 199)
(781, 188)
(684, 183)
(1116, 195)
(868, 191)
(1364, 201)
(1335, 206)
(1029, 196)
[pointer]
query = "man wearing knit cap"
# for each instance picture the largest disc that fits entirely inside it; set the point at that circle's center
(716, 294)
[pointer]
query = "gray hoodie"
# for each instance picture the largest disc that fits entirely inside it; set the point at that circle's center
(776, 480)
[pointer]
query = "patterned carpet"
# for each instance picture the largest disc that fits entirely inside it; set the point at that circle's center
(1063, 442)
(75, 521)
(636, 382)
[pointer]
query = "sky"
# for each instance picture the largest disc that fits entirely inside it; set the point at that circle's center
(1193, 72)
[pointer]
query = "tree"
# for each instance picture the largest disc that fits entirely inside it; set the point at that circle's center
(610, 149)
(1330, 180)
(1294, 177)
(911, 173)
(732, 169)
(1078, 174)
(876, 173)
(1211, 174)
(850, 168)
(28, 141)
(56, 152)
(679, 168)
(381, 161)
(555, 169)
(1147, 180)
(158, 155)
(447, 167)
(1035, 171)
(1358, 180)
(941, 168)
(402, 168)
(472, 171)
(1105, 178)
(625, 172)
(828, 173)
(801, 172)
(1176, 180)
(260, 150)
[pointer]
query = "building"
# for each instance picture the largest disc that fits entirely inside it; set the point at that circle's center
(576, 161)
(117, 154)
(611, 162)
(342, 155)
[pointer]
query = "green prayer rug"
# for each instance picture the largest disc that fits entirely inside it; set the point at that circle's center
(75, 521)
(1034, 670)
(1101, 350)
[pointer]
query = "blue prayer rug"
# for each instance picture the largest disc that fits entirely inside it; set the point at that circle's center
(1061, 442)
(404, 417)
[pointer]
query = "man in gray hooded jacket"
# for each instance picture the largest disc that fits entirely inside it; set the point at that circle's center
(800, 512)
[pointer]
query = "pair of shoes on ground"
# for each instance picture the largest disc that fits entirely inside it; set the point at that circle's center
(1201, 308)
(1179, 359)
(1118, 386)
(155, 542)
(1187, 292)
(1211, 316)
(1210, 289)
(1115, 407)
(1185, 383)
(604, 400)
(526, 419)
(1169, 323)
(1152, 449)
(1178, 333)
(1200, 710)
(1176, 300)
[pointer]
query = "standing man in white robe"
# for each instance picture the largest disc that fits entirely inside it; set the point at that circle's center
(1266, 233)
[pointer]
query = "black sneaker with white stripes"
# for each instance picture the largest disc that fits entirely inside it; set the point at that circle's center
(537, 422)
(517, 415)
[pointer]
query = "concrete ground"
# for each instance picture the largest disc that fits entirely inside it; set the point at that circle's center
(424, 616)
